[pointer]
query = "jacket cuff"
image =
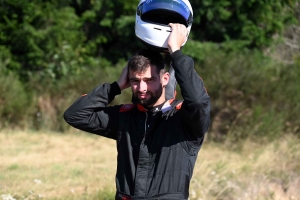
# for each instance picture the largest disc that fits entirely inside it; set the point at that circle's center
(115, 89)
(177, 54)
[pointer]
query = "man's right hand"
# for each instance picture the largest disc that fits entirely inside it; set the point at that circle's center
(123, 81)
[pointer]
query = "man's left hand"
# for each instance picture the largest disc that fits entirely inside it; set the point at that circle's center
(177, 37)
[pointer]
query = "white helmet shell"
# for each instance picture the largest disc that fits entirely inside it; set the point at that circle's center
(153, 17)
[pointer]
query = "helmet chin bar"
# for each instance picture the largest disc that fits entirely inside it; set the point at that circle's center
(154, 36)
(160, 49)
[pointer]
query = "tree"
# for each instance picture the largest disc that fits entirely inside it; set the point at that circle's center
(251, 24)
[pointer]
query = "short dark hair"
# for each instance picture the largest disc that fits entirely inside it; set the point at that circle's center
(145, 57)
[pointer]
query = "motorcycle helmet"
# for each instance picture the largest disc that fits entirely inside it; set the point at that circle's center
(153, 17)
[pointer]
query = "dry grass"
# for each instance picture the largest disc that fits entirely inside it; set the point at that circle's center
(260, 172)
(82, 166)
(54, 165)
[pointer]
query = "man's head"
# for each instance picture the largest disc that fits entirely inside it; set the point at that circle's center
(148, 77)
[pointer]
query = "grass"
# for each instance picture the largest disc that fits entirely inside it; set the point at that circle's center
(270, 171)
(55, 166)
(47, 165)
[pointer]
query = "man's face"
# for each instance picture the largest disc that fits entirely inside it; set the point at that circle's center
(147, 87)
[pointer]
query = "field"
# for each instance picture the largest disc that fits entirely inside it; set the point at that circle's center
(47, 165)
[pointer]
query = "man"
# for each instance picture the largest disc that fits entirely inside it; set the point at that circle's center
(158, 140)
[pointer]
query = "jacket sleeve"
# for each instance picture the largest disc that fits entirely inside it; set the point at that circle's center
(91, 113)
(196, 105)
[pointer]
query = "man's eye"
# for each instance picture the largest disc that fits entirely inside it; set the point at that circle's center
(134, 81)
(150, 79)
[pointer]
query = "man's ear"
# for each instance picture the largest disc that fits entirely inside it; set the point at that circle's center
(171, 87)
(165, 79)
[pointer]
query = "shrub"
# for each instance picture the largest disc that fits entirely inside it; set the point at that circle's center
(15, 101)
(251, 94)
(53, 98)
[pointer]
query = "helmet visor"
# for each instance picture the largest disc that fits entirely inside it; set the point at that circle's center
(165, 12)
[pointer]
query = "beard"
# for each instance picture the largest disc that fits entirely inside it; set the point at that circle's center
(154, 96)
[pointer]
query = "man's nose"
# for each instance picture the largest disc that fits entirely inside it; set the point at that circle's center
(143, 86)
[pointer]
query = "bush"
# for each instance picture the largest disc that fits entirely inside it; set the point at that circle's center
(15, 102)
(53, 98)
(251, 95)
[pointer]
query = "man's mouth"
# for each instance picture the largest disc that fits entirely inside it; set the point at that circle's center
(142, 95)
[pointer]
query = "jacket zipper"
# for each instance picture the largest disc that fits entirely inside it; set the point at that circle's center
(145, 132)
(146, 124)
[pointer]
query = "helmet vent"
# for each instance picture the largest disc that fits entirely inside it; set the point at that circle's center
(158, 29)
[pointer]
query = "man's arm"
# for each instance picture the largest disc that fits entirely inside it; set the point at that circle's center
(90, 112)
(196, 105)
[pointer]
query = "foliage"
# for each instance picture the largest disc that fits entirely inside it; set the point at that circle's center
(15, 102)
(53, 98)
(109, 27)
(54, 51)
(252, 95)
(56, 39)
(43, 37)
(250, 24)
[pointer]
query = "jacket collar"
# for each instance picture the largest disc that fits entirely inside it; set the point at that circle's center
(164, 108)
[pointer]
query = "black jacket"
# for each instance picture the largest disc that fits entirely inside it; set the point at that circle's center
(157, 149)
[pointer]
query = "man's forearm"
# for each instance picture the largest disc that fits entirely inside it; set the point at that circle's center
(191, 85)
(85, 113)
